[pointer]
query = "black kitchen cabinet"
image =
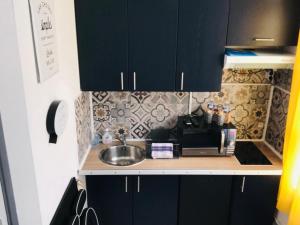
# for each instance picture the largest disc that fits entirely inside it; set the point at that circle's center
(155, 200)
(142, 45)
(254, 200)
(263, 23)
(138, 200)
(204, 200)
(127, 44)
(111, 197)
(152, 44)
(102, 39)
(201, 44)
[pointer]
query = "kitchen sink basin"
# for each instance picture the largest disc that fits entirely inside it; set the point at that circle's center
(122, 155)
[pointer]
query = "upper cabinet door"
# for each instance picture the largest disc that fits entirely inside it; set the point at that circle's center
(201, 43)
(102, 36)
(263, 23)
(152, 44)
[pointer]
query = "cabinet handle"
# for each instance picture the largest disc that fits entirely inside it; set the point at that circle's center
(138, 184)
(134, 81)
(181, 84)
(222, 141)
(243, 185)
(126, 184)
(122, 81)
(264, 39)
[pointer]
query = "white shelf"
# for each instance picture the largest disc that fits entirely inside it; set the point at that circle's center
(262, 60)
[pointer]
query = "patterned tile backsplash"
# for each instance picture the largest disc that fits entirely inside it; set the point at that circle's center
(83, 123)
(136, 113)
(279, 108)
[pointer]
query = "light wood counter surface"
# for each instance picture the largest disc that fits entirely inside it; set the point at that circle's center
(184, 165)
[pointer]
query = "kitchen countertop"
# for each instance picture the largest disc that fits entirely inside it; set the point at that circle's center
(182, 166)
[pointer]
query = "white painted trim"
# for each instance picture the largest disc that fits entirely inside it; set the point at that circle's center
(273, 149)
(268, 112)
(179, 172)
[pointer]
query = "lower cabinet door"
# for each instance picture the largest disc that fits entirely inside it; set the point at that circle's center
(254, 200)
(155, 200)
(204, 200)
(111, 196)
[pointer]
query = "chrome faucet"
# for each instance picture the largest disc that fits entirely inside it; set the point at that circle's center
(122, 139)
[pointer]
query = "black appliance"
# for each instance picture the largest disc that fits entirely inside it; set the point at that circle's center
(198, 138)
(249, 154)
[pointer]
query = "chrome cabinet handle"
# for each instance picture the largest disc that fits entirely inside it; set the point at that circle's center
(222, 141)
(126, 184)
(138, 184)
(243, 185)
(181, 83)
(122, 81)
(134, 81)
(264, 39)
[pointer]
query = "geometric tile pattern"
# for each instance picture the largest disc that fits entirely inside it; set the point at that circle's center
(243, 76)
(248, 106)
(136, 113)
(83, 123)
(283, 79)
(277, 120)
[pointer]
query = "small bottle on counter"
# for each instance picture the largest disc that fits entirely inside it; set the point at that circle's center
(215, 114)
(107, 137)
(209, 112)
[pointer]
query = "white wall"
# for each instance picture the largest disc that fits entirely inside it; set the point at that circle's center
(14, 119)
(54, 164)
(39, 169)
(3, 217)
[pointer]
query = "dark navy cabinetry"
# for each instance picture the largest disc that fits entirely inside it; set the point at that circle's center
(158, 45)
(173, 45)
(254, 200)
(201, 40)
(152, 44)
(263, 23)
(183, 200)
(138, 200)
(204, 200)
(111, 196)
(102, 39)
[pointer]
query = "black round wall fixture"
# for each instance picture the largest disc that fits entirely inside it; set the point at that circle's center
(56, 121)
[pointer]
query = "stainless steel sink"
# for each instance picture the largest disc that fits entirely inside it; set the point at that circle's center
(122, 155)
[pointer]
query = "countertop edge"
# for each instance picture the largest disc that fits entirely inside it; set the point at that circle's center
(275, 172)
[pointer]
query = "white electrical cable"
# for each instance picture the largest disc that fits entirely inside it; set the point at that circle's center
(77, 204)
(86, 215)
(76, 218)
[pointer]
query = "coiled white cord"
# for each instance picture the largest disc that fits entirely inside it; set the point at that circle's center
(91, 209)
